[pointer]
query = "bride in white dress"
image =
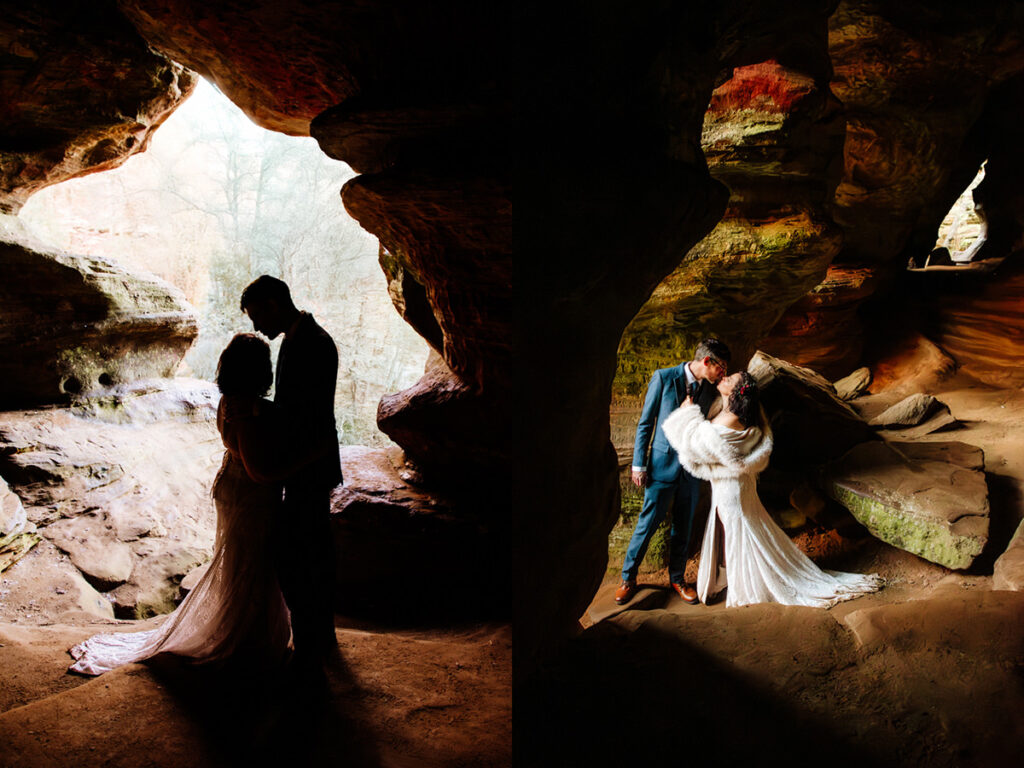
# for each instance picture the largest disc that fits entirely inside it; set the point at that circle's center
(761, 564)
(236, 611)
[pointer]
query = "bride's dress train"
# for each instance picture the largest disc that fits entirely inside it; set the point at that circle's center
(762, 564)
(236, 610)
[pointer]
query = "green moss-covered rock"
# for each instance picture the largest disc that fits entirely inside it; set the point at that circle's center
(773, 136)
(908, 496)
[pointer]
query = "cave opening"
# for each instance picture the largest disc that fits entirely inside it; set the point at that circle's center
(162, 246)
(216, 201)
(962, 232)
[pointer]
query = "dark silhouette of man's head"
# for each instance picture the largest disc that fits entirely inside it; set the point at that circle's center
(244, 367)
(268, 303)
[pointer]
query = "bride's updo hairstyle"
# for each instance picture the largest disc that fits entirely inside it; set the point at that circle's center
(745, 400)
(244, 367)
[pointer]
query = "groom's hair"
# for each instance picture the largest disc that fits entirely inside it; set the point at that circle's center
(713, 348)
(267, 288)
(244, 367)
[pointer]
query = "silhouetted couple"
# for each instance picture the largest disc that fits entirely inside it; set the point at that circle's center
(273, 563)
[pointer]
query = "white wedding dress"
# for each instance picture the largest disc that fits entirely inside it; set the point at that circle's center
(236, 610)
(762, 564)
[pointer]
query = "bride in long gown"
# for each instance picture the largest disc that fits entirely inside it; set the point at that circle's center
(761, 563)
(236, 611)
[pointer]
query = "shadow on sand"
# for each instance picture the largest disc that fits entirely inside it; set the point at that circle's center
(647, 697)
(279, 719)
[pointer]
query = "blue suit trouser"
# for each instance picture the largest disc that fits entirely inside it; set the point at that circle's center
(679, 497)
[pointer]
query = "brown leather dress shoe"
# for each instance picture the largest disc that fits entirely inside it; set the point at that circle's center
(685, 591)
(625, 592)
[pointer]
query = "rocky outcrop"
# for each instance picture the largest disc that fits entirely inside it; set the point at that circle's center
(854, 384)
(811, 424)
(82, 92)
(75, 326)
(1009, 568)
(17, 534)
(386, 529)
(930, 499)
(130, 507)
(908, 364)
(772, 134)
(823, 330)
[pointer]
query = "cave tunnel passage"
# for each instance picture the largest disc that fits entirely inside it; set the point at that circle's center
(216, 201)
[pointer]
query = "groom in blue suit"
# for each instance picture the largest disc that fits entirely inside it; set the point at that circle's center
(667, 485)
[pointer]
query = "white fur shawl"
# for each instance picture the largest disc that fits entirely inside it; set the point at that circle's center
(707, 454)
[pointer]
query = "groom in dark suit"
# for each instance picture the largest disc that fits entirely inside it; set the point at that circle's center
(304, 386)
(667, 486)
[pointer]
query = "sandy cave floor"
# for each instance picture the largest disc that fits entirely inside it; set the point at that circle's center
(927, 672)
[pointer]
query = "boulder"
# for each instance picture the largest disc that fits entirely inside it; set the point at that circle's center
(95, 550)
(812, 425)
(908, 412)
(929, 499)
(44, 587)
(130, 506)
(76, 326)
(854, 384)
(17, 534)
(1009, 568)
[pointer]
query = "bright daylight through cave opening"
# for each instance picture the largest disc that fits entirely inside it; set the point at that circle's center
(216, 201)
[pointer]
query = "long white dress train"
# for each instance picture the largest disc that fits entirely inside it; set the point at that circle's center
(762, 564)
(236, 610)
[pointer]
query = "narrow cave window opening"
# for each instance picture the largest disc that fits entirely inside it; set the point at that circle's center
(962, 232)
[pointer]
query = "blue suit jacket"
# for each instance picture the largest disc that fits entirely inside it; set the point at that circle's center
(664, 394)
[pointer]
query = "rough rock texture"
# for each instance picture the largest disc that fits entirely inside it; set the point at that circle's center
(79, 325)
(908, 364)
(45, 587)
(82, 92)
(773, 135)
(927, 92)
(1009, 568)
(851, 386)
(979, 320)
(399, 547)
(823, 329)
(908, 412)
(131, 507)
(811, 424)
(930, 499)
(17, 534)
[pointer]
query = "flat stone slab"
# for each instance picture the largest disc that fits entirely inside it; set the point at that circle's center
(928, 499)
